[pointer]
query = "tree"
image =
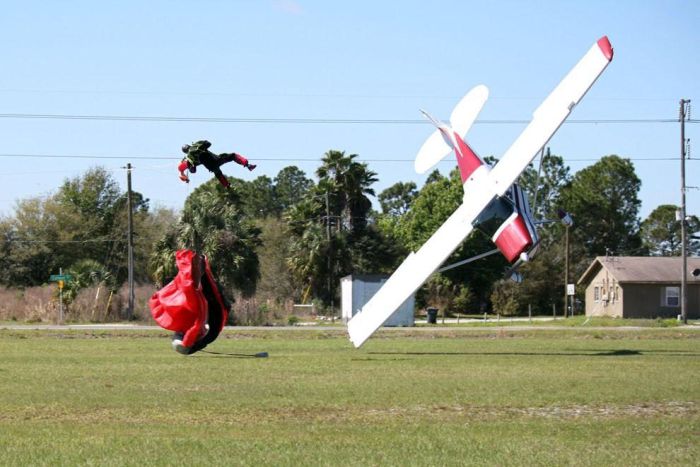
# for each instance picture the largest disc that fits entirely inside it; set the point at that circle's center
(291, 186)
(87, 273)
(260, 200)
(85, 219)
(27, 258)
(264, 197)
(603, 200)
(308, 259)
(434, 176)
(546, 184)
(331, 230)
(347, 184)
(373, 252)
(161, 262)
(435, 202)
(276, 281)
(149, 232)
(397, 199)
(661, 232)
(505, 298)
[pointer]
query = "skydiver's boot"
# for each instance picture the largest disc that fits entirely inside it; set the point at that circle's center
(177, 344)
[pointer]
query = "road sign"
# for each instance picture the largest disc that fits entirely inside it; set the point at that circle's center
(60, 277)
(570, 290)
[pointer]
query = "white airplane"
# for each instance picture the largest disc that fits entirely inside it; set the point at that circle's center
(491, 200)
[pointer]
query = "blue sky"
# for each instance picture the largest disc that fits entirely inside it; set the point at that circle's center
(356, 62)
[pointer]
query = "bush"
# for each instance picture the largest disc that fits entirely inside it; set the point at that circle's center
(33, 304)
(504, 298)
(91, 304)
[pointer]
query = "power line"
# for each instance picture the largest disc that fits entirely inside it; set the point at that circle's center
(286, 94)
(134, 118)
(294, 158)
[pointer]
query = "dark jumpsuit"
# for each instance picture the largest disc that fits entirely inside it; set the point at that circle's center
(199, 154)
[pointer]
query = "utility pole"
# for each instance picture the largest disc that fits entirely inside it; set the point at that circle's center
(684, 299)
(329, 259)
(130, 244)
(566, 271)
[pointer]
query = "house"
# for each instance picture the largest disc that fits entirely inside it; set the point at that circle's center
(356, 290)
(640, 287)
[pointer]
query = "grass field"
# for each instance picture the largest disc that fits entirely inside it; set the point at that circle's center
(415, 397)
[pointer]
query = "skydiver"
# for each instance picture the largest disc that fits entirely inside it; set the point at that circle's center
(198, 153)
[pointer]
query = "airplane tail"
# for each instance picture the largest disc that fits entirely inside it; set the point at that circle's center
(436, 147)
(467, 160)
(444, 131)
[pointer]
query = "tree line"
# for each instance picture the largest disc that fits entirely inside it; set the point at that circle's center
(293, 238)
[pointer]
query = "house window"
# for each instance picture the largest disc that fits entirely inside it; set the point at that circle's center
(671, 296)
(596, 294)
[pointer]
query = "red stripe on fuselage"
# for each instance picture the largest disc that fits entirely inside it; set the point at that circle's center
(467, 160)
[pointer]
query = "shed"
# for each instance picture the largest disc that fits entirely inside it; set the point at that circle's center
(356, 290)
(640, 287)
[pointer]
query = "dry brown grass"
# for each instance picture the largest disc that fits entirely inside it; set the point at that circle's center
(258, 311)
(34, 304)
(92, 304)
(98, 305)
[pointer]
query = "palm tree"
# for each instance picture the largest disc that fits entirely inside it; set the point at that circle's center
(307, 258)
(162, 260)
(347, 184)
(330, 223)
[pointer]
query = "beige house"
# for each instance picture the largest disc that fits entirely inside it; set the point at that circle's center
(640, 287)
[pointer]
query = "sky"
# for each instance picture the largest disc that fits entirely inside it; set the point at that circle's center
(87, 84)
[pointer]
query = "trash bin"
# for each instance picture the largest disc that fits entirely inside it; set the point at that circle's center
(432, 315)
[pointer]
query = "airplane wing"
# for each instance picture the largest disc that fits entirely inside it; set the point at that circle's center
(551, 114)
(483, 186)
(463, 116)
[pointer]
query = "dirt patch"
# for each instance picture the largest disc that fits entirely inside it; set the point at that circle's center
(445, 413)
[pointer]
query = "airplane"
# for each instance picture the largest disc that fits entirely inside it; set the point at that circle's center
(490, 194)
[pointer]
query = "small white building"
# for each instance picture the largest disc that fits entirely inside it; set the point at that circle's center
(356, 290)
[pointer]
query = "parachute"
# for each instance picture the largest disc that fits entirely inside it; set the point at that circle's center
(191, 304)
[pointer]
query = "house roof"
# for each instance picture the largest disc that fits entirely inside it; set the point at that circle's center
(642, 269)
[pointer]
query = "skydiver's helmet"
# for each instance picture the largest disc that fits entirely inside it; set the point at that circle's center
(185, 148)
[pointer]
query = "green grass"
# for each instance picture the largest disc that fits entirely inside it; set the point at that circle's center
(409, 397)
(576, 321)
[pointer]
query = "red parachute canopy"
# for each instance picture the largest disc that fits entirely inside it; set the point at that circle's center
(190, 301)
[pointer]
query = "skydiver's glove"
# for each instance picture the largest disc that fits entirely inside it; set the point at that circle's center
(184, 165)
